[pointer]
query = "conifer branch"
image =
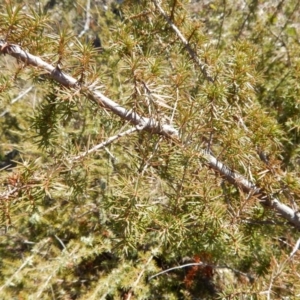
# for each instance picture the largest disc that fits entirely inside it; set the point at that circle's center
(249, 187)
(192, 53)
(153, 126)
(147, 124)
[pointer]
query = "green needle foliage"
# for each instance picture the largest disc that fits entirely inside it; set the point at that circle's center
(103, 224)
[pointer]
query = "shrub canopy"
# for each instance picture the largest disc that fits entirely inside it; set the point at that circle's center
(140, 137)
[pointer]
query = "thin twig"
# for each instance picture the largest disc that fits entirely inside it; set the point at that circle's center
(296, 248)
(24, 264)
(138, 278)
(280, 268)
(61, 242)
(151, 156)
(201, 264)
(87, 20)
(21, 95)
(107, 142)
(192, 53)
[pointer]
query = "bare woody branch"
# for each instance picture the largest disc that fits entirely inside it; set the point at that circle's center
(153, 126)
